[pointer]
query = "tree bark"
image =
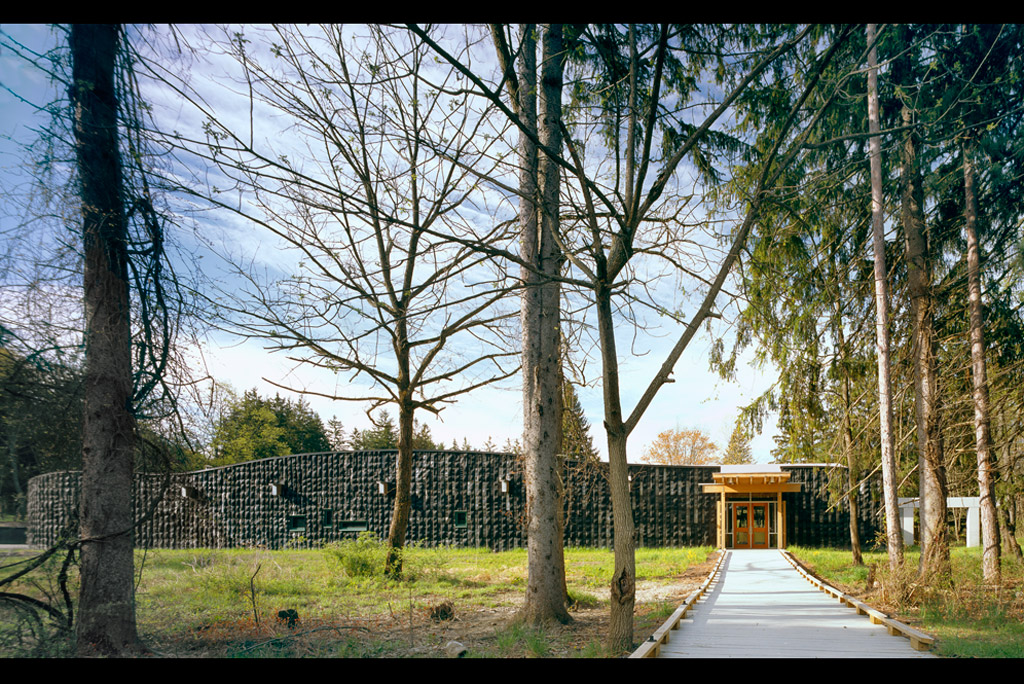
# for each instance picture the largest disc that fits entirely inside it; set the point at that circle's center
(930, 464)
(894, 541)
(1007, 500)
(545, 599)
(403, 478)
(623, 584)
(1009, 531)
(852, 471)
(106, 612)
(986, 465)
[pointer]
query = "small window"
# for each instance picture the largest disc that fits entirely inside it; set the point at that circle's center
(353, 526)
(460, 518)
(296, 523)
(327, 519)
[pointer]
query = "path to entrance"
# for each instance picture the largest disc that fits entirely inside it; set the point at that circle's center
(761, 607)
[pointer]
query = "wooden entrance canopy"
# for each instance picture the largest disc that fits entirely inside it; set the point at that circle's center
(763, 481)
(750, 483)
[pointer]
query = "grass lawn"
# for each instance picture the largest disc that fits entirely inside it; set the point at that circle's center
(225, 602)
(968, 618)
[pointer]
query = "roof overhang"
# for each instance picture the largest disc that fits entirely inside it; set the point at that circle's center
(750, 483)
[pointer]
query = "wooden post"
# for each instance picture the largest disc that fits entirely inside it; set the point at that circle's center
(780, 520)
(722, 512)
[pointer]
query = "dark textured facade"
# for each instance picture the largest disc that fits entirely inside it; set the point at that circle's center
(458, 498)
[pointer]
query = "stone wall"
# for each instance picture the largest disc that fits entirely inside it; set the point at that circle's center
(457, 499)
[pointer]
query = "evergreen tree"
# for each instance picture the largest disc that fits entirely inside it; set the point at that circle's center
(336, 434)
(106, 607)
(383, 434)
(40, 421)
(303, 430)
(512, 446)
(982, 66)
(423, 440)
(257, 428)
(576, 440)
(738, 449)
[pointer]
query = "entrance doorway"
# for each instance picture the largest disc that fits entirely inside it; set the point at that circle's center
(750, 511)
(750, 525)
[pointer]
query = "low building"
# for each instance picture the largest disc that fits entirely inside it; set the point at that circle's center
(466, 499)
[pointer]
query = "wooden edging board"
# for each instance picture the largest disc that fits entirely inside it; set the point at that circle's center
(918, 639)
(650, 648)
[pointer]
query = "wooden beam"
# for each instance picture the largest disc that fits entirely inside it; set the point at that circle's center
(750, 488)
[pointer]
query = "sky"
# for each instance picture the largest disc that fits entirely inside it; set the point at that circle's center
(697, 398)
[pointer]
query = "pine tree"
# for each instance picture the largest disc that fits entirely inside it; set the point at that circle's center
(336, 434)
(738, 449)
(576, 440)
(382, 435)
(422, 438)
(256, 428)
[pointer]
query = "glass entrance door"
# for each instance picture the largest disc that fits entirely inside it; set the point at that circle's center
(750, 525)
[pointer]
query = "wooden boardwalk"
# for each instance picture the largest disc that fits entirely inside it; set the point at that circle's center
(761, 607)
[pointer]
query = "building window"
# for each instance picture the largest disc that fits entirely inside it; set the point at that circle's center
(353, 526)
(296, 523)
(460, 519)
(327, 519)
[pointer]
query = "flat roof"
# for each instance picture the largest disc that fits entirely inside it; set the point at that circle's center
(752, 468)
(749, 481)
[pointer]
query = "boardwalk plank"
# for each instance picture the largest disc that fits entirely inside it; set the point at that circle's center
(761, 607)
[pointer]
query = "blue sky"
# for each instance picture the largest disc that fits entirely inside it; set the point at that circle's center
(697, 398)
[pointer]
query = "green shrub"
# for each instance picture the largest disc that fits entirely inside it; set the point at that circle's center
(363, 556)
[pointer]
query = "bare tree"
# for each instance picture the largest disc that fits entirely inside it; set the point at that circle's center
(369, 196)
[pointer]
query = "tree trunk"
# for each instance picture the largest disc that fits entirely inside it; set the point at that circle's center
(894, 540)
(542, 419)
(623, 584)
(1007, 501)
(986, 465)
(403, 484)
(1009, 531)
(930, 465)
(852, 471)
(106, 611)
